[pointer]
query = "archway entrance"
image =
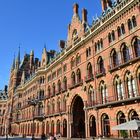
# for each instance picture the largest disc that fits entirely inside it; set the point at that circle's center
(92, 126)
(78, 126)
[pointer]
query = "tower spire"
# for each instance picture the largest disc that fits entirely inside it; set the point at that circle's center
(19, 54)
(13, 65)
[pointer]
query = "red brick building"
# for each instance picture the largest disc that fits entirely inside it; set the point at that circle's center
(91, 86)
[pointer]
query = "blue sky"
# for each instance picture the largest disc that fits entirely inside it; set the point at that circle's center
(33, 23)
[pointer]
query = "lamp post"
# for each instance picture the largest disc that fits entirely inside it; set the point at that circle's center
(33, 103)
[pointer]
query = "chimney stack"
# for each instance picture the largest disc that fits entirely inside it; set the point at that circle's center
(75, 8)
(84, 15)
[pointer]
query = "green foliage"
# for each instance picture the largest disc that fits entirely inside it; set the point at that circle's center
(124, 133)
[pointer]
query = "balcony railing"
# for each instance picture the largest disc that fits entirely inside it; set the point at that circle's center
(76, 84)
(112, 100)
(121, 64)
(89, 78)
(100, 73)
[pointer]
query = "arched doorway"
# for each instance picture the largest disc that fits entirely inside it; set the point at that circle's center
(133, 115)
(78, 126)
(92, 126)
(65, 128)
(121, 119)
(105, 125)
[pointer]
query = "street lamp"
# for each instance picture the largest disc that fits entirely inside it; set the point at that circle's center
(33, 103)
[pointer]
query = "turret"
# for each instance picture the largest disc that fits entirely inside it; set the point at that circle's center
(44, 57)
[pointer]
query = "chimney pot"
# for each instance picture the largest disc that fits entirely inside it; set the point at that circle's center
(84, 15)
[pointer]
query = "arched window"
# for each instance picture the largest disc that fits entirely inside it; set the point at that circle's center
(53, 106)
(91, 98)
(78, 76)
(119, 31)
(122, 29)
(133, 115)
(119, 88)
(64, 104)
(47, 127)
(65, 83)
(89, 70)
(78, 59)
(65, 128)
(121, 119)
(109, 38)
(96, 49)
(136, 46)
(89, 49)
(48, 108)
(104, 93)
(113, 35)
(73, 78)
(72, 62)
(129, 24)
(125, 53)
(58, 105)
(49, 90)
(131, 85)
(134, 22)
(52, 127)
(105, 125)
(59, 86)
(114, 58)
(92, 128)
(101, 65)
(53, 88)
(58, 127)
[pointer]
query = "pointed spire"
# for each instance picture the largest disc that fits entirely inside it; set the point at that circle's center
(13, 65)
(19, 55)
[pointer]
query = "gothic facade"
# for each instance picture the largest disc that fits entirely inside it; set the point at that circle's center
(92, 85)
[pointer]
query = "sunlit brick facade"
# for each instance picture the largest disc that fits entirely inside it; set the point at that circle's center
(92, 85)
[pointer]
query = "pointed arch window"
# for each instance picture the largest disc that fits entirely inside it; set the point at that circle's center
(134, 22)
(105, 125)
(59, 86)
(58, 105)
(48, 108)
(89, 70)
(53, 106)
(101, 65)
(119, 31)
(104, 93)
(122, 29)
(49, 90)
(129, 24)
(91, 98)
(53, 88)
(72, 62)
(131, 85)
(119, 89)
(114, 58)
(125, 53)
(78, 76)
(64, 104)
(109, 38)
(78, 59)
(73, 78)
(136, 46)
(65, 83)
